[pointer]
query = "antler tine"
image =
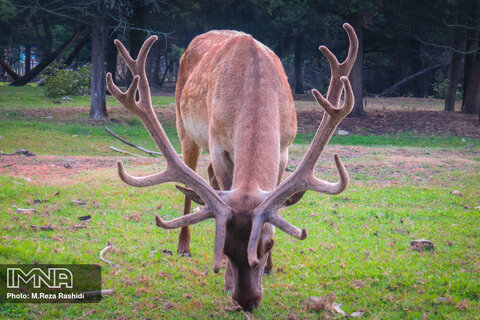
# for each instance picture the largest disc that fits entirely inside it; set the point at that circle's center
(126, 98)
(186, 220)
(125, 55)
(318, 185)
(347, 64)
(143, 53)
(257, 223)
(220, 233)
(147, 181)
(258, 220)
(287, 227)
(337, 113)
(352, 49)
(340, 69)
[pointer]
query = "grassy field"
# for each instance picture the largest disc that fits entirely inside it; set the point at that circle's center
(358, 246)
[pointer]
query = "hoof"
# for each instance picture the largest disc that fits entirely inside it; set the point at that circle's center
(185, 254)
(269, 272)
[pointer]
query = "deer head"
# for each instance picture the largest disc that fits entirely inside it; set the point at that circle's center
(244, 219)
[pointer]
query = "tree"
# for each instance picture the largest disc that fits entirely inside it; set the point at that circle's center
(356, 75)
(98, 107)
(455, 71)
(471, 100)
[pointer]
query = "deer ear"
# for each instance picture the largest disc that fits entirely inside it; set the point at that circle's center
(293, 199)
(191, 194)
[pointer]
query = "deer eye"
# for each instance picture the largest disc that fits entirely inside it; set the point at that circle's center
(269, 245)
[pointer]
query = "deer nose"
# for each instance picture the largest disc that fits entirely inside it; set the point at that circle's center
(248, 303)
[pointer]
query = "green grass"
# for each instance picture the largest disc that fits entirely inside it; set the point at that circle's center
(68, 138)
(85, 138)
(358, 248)
(398, 140)
(28, 97)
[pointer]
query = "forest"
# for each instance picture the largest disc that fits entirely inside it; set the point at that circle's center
(407, 48)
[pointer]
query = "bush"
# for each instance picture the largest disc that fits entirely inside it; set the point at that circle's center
(59, 82)
(441, 88)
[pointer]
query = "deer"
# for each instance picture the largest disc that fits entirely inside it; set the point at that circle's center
(233, 100)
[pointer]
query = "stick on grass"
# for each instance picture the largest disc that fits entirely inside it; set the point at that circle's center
(107, 248)
(150, 152)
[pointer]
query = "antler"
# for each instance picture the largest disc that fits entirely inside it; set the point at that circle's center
(176, 169)
(303, 178)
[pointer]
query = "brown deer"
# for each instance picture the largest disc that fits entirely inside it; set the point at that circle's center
(233, 100)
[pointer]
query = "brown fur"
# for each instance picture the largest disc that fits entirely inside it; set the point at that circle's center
(233, 100)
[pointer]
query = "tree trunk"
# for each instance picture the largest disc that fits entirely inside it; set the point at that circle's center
(49, 58)
(28, 57)
(472, 55)
(8, 69)
(98, 108)
(297, 64)
(158, 76)
(356, 75)
(112, 57)
(137, 37)
(472, 97)
(455, 70)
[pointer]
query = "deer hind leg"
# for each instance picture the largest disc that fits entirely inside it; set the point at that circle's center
(191, 152)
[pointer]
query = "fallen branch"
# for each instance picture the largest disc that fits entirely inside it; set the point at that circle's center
(46, 228)
(11, 164)
(105, 292)
(50, 228)
(8, 69)
(150, 152)
(410, 77)
(107, 248)
(27, 153)
(126, 152)
(26, 211)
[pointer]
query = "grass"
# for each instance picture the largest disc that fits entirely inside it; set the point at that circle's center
(83, 138)
(59, 138)
(398, 140)
(358, 246)
(28, 97)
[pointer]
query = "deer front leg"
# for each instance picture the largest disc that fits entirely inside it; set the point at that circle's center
(229, 279)
(191, 153)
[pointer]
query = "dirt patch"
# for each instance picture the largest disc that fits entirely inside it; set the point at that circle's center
(395, 122)
(387, 165)
(57, 169)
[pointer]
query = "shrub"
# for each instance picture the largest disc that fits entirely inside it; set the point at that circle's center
(441, 88)
(59, 81)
